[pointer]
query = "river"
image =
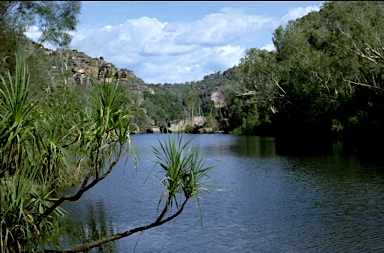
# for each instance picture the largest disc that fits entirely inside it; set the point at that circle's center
(272, 196)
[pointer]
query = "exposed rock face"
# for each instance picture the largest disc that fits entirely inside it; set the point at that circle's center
(154, 130)
(179, 126)
(78, 68)
(218, 98)
(205, 130)
(124, 74)
(198, 121)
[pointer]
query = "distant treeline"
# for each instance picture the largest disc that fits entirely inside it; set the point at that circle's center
(325, 78)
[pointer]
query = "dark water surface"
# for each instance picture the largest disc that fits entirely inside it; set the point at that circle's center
(281, 197)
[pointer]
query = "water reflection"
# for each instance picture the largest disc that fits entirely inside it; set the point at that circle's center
(254, 146)
(283, 197)
(88, 224)
(242, 146)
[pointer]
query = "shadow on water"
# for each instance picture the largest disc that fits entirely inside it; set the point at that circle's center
(284, 196)
(368, 154)
(85, 225)
(254, 146)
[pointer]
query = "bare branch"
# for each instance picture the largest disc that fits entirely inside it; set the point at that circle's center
(248, 93)
(365, 85)
(115, 237)
(85, 187)
(277, 83)
(378, 55)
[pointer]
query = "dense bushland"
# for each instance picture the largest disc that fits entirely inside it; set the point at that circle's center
(324, 78)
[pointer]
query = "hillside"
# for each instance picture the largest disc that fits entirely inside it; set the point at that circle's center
(154, 106)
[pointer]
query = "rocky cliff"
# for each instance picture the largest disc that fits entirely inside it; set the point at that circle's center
(72, 67)
(78, 68)
(218, 97)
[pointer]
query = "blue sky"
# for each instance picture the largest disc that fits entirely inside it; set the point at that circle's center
(180, 41)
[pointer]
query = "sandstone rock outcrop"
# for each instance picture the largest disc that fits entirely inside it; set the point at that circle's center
(78, 68)
(180, 126)
(218, 98)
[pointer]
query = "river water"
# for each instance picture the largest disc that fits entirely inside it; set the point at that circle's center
(274, 196)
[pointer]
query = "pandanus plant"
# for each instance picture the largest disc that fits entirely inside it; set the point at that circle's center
(186, 175)
(25, 190)
(35, 157)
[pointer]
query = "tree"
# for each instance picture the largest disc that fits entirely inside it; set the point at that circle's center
(36, 152)
(325, 77)
(21, 166)
(331, 66)
(162, 107)
(192, 100)
(54, 19)
(258, 87)
(306, 75)
(258, 79)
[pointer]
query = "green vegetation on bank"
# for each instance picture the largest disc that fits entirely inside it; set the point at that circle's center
(54, 134)
(324, 78)
(44, 147)
(163, 107)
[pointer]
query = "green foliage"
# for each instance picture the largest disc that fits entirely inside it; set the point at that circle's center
(39, 145)
(163, 107)
(325, 77)
(187, 97)
(106, 130)
(17, 127)
(257, 91)
(186, 174)
(26, 188)
(211, 122)
(189, 129)
(192, 100)
(53, 18)
(325, 54)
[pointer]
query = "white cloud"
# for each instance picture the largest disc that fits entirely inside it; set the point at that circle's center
(33, 33)
(299, 12)
(177, 52)
(222, 28)
(160, 52)
(269, 47)
(189, 67)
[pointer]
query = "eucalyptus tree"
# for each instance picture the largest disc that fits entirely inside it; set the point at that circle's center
(307, 73)
(332, 66)
(325, 76)
(258, 87)
(192, 100)
(54, 19)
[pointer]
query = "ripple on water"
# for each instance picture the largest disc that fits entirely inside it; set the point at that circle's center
(274, 203)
